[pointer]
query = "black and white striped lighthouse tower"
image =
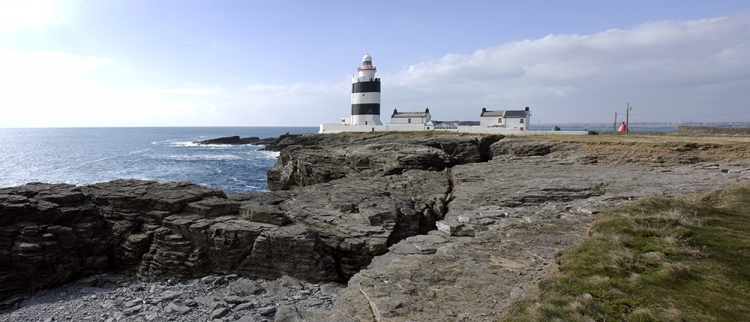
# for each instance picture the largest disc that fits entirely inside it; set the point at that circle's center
(366, 95)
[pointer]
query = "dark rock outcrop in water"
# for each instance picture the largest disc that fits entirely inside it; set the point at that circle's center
(419, 225)
(236, 140)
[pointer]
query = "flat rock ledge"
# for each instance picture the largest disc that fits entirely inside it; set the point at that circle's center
(437, 228)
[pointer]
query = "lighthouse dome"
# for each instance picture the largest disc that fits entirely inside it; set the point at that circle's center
(367, 58)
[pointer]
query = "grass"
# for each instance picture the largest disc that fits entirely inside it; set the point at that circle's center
(654, 139)
(684, 259)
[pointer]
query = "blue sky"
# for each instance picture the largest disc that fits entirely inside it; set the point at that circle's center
(265, 63)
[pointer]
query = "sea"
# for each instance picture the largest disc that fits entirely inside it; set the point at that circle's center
(82, 156)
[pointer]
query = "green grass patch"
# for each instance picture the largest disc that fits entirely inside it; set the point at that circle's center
(683, 259)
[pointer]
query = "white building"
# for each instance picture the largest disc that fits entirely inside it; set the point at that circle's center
(511, 119)
(365, 116)
(411, 117)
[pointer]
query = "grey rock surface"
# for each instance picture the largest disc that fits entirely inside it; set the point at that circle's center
(419, 227)
(520, 211)
(325, 232)
(49, 235)
(190, 300)
(313, 159)
(525, 147)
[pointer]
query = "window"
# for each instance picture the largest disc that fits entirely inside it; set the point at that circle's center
(520, 121)
(499, 120)
(408, 121)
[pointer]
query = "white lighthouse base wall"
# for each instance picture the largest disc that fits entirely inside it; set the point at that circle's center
(366, 120)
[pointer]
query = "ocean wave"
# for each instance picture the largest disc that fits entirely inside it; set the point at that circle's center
(270, 154)
(244, 183)
(138, 151)
(204, 157)
(183, 144)
(161, 155)
(192, 144)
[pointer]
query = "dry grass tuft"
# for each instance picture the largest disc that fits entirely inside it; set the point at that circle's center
(642, 314)
(654, 260)
(673, 272)
(676, 217)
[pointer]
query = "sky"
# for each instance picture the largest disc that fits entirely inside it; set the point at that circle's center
(100, 63)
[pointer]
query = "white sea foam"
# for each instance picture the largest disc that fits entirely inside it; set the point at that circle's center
(184, 144)
(138, 151)
(200, 157)
(270, 154)
(193, 144)
(87, 156)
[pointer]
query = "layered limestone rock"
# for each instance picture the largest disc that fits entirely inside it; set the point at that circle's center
(313, 159)
(507, 219)
(49, 235)
(326, 232)
(419, 225)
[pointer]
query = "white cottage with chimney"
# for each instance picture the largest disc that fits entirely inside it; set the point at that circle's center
(411, 117)
(508, 119)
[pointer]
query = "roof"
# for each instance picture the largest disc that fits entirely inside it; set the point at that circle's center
(403, 115)
(409, 114)
(457, 122)
(511, 114)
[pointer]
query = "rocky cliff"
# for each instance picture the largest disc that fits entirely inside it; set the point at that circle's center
(425, 227)
(326, 231)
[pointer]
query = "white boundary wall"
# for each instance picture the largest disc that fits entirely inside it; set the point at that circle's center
(338, 128)
(505, 131)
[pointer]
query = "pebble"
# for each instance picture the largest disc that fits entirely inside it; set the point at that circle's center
(205, 299)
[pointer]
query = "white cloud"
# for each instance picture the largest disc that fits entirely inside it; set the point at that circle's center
(266, 88)
(47, 89)
(18, 14)
(41, 79)
(673, 68)
(295, 104)
(185, 91)
(585, 77)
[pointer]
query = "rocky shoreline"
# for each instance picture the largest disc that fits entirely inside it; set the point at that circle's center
(112, 297)
(421, 227)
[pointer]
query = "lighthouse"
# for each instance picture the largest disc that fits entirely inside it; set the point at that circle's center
(366, 95)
